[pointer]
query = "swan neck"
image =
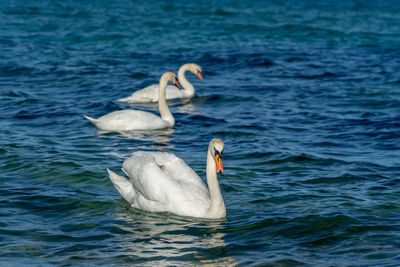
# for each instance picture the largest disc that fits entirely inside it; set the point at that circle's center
(217, 205)
(165, 113)
(188, 88)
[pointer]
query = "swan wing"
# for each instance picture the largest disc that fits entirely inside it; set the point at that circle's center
(125, 120)
(150, 94)
(155, 176)
(176, 168)
(174, 92)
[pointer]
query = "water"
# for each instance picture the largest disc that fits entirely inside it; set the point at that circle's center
(306, 96)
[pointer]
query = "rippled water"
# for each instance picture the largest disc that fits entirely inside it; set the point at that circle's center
(306, 96)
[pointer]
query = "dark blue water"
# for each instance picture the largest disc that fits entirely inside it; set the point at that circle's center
(305, 94)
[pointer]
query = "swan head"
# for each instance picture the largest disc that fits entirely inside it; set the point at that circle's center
(171, 77)
(217, 151)
(195, 69)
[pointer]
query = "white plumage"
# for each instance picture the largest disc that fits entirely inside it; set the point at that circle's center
(128, 120)
(162, 182)
(150, 93)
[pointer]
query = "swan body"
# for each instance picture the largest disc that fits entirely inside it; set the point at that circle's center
(162, 182)
(150, 93)
(128, 120)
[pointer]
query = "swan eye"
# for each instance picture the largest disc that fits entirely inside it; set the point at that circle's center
(220, 154)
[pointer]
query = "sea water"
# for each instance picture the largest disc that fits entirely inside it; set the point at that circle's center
(305, 95)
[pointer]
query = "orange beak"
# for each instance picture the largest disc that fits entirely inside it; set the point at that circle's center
(218, 162)
(177, 84)
(199, 75)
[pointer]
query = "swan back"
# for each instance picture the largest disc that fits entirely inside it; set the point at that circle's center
(127, 120)
(163, 178)
(174, 167)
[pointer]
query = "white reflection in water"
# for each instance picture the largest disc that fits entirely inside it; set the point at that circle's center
(151, 235)
(159, 136)
(188, 106)
(192, 106)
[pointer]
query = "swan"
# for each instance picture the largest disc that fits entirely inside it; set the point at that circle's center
(162, 182)
(150, 93)
(127, 120)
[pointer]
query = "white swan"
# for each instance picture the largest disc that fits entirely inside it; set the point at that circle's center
(150, 93)
(127, 120)
(162, 182)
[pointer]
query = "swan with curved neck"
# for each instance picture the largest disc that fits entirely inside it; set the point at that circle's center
(150, 93)
(162, 182)
(128, 120)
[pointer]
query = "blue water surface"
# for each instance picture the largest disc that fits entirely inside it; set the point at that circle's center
(305, 95)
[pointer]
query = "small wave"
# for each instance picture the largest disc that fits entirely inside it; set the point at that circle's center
(253, 126)
(236, 133)
(14, 70)
(393, 182)
(211, 58)
(222, 12)
(338, 179)
(307, 30)
(259, 61)
(302, 158)
(138, 75)
(255, 225)
(295, 59)
(108, 37)
(324, 75)
(239, 59)
(18, 93)
(205, 119)
(74, 14)
(7, 43)
(218, 11)
(22, 11)
(24, 114)
(231, 98)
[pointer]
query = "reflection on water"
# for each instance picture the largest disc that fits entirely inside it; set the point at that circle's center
(159, 136)
(192, 106)
(146, 105)
(173, 238)
(187, 106)
(160, 140)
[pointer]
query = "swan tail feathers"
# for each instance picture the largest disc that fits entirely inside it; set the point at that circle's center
(123, 186)
(125, 99)
(92, 120)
